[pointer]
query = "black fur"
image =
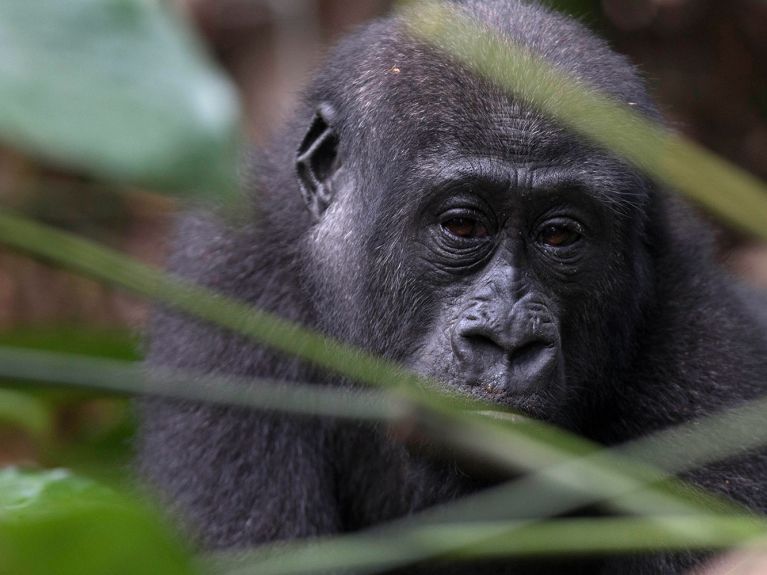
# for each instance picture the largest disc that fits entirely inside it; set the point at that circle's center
(625, 327)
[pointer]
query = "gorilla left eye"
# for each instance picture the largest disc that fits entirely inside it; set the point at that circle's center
(467, 228)
(558, 236)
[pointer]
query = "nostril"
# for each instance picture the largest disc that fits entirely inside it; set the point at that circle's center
(481, 341)
(528, 352)
(516, 353)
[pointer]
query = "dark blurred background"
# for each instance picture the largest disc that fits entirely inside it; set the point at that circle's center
(705, 60)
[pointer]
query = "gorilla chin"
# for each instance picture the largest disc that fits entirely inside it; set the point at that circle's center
(426, 215)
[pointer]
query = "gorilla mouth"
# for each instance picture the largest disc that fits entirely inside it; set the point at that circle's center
(512, 409)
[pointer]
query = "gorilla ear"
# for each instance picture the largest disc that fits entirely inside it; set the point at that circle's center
(316, 161)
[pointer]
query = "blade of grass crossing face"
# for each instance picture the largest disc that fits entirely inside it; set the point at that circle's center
(511, 448)
(108, 266)
(550, 492)
(726, 190)
(370, 553)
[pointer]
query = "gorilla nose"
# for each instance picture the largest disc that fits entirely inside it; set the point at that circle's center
(514, 363)
(516, 352)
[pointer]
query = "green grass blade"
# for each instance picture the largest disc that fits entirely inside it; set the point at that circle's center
(124, 377)
(110, 267)
(724, 189)
(513, 448)
(371, 553)
(600, 476)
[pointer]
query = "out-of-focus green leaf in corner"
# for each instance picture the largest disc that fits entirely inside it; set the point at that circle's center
(118, 88)
(55, 522)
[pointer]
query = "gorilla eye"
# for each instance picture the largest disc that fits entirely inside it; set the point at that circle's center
(558, 235)
(463, 227)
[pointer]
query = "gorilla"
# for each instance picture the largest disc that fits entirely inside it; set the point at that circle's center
(422, 213)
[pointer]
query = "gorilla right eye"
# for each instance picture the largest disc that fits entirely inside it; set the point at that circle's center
(465, 227)
(558, 235)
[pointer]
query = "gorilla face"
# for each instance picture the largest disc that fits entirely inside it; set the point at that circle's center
(513, 256)
(458, 231)
(498, 248)
(479, 265)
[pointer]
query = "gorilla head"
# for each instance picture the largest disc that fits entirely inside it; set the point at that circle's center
(457, 230)
(421, 212)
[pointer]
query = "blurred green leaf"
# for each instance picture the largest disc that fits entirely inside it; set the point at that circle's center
(26, 411)
(80, 339)
(54, 522)
(116, 87)
(24, 493)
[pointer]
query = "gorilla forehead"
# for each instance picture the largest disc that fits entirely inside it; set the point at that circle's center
(510, 149)
(403, 100)
(382, 75)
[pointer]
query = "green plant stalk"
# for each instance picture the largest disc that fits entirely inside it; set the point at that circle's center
(512, 448)
(124, 377)
(718, 436)
(128, 377)
(721, 187)
(541, 495)
(369, 553)
(617, 535)
(555, 490)
(304, 399)
(110, 267)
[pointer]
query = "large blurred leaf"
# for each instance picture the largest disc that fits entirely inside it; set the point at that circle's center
(53, 522)
(116, 87)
